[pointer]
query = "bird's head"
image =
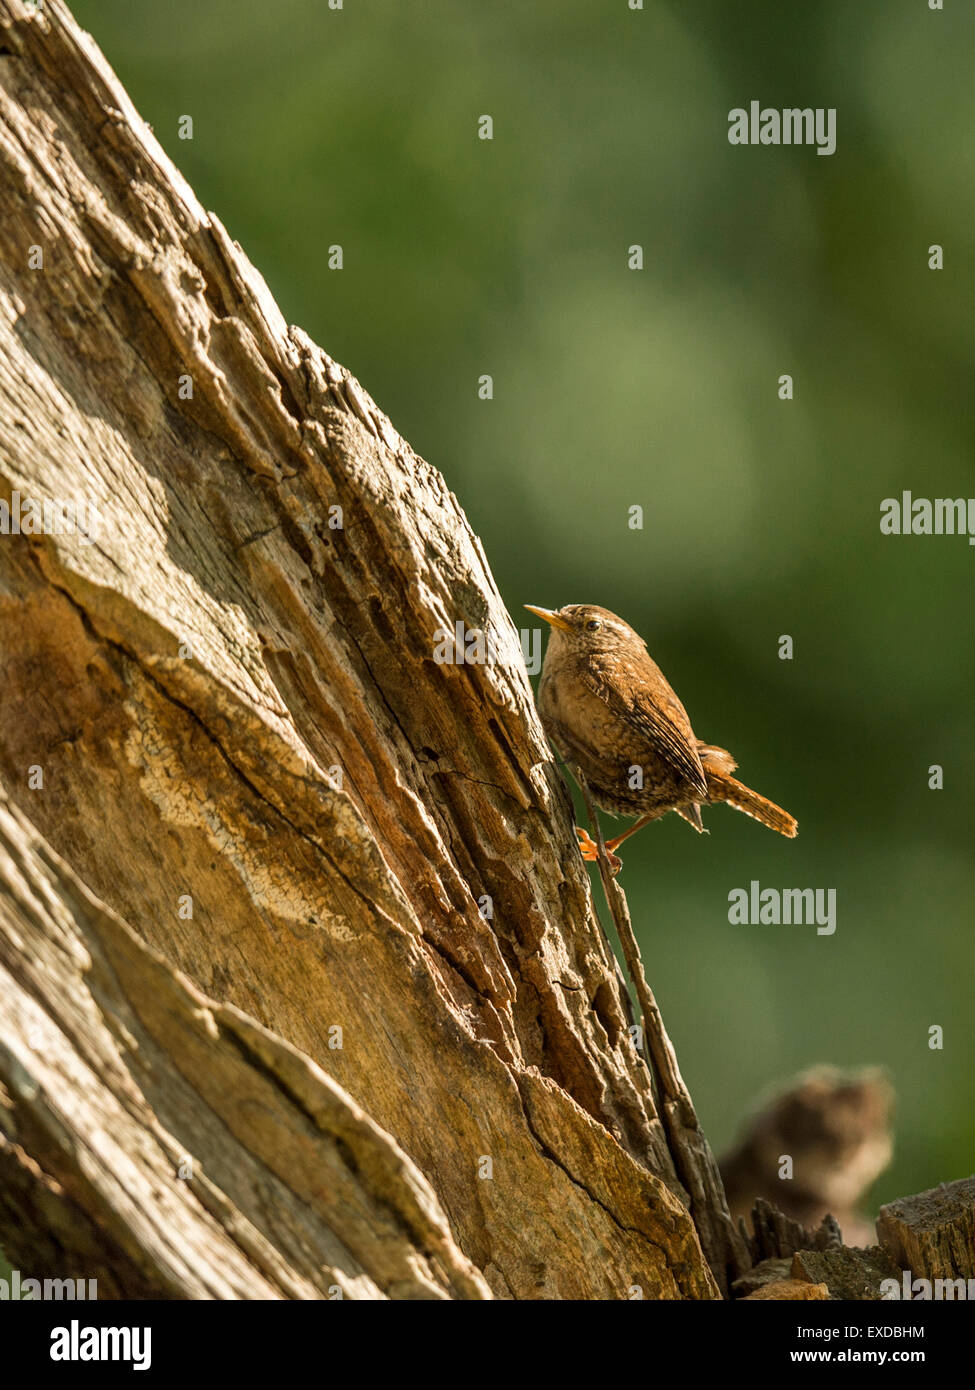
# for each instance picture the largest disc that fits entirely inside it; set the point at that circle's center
(583, 627)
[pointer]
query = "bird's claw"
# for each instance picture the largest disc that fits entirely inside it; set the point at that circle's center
(587, 845)
(590, 851)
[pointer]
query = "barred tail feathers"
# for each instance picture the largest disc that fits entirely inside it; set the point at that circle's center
(742, 798)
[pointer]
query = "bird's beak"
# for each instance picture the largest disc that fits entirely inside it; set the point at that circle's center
(550, 616)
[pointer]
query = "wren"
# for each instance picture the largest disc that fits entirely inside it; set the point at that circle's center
(609, 711)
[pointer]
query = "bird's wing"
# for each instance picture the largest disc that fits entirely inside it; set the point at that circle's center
(639, 694)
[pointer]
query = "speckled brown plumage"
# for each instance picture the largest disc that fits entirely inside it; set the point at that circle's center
(610, 711)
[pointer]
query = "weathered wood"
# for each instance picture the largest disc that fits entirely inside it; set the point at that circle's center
(849, 1274)
(933, 1233)
(724, 1244)
(818, 1258)
(791, 1290)
(302, 883)
(775, 1235)
(170, 1146)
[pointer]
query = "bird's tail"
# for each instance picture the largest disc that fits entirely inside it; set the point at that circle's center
(735, 793)
(715, 759)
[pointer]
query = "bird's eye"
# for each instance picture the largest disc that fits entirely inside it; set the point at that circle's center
(594, 625)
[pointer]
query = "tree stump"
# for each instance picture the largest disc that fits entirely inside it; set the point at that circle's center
(304, 992)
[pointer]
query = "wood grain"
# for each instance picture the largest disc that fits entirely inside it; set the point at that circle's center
(268, 813)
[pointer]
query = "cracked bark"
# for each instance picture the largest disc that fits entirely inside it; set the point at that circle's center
(191, 907)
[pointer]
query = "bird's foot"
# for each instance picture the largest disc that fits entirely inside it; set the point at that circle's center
(590, 851)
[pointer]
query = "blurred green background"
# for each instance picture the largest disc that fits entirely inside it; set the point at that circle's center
(659, 388)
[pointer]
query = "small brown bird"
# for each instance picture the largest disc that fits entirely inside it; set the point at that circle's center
(608, 709)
